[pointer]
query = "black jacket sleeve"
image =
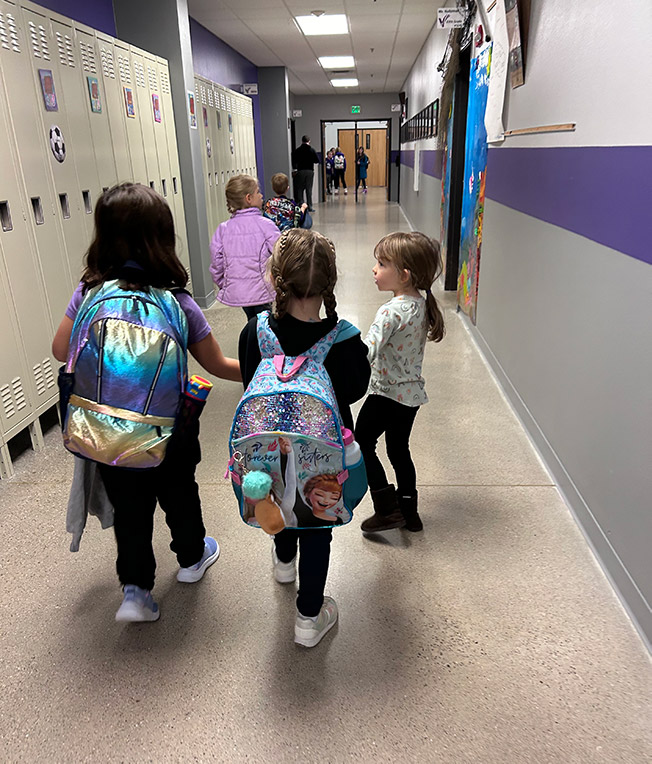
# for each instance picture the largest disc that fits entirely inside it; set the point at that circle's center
(349, 370)
(248, 351)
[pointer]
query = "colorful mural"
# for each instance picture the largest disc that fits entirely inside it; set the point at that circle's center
(475, 166)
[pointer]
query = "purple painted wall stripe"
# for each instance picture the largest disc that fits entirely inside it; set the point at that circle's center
(407, 157)
(430, 160)
(97, 14)
(600, 192)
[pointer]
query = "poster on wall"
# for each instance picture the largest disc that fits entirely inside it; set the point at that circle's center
(515, 48)
(47, 88)
(446, 185)
(475, 167)
(130, 106)
(94, 94)
(156, 107)
(192, 114)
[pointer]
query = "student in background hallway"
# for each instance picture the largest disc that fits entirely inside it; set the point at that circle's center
(361, 164)
(304, 160)
(329, 171)
(339, 167)
(406, 264)
(241, 247)
(284, 212)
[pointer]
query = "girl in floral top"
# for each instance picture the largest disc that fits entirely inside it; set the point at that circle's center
(406, 264)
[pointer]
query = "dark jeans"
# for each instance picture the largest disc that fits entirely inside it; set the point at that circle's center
(314, 554)
(380, 415)
(254, 310)
(339, 177)
(329, 182)
(303, 182)
(134, 493)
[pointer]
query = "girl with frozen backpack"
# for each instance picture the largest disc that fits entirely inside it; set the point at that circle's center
(125, 336)
(303, 273)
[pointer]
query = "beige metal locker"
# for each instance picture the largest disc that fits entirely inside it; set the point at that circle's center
(97, 104)
(201, 101)
(145, 117)
(33, 146)
(113, 94)
(131, 109)
(72, 101)
(56, 131)
(156, 114)
(175, 191)
(27, 377)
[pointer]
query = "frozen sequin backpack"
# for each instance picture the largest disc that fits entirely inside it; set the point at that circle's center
(287, 426)
(124, 377)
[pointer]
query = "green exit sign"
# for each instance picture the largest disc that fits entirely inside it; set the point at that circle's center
(355, 110)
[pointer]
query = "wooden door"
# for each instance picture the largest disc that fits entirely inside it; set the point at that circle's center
(374, 143)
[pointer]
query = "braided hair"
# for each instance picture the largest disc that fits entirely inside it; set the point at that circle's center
(303, 265)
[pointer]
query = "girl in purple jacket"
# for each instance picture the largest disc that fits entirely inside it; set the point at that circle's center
(241, 247)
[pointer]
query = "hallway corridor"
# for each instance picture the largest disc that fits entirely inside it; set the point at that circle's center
(493, 636)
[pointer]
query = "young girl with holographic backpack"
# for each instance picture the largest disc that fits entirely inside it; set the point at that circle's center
(125, 337)
(294, 467)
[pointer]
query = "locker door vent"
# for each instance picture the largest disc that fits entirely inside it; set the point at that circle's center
(165, 82)
(210, 96)
(222, 102)
(151, 76)
(140, 74)
(66, 54)
(12, 397)
(123, 68)
(108, 65)
(9, 33)
(39, 39)
(89, 61)
(43, 376)
(203, 95)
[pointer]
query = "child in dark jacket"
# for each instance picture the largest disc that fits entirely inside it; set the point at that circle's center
(284, 212)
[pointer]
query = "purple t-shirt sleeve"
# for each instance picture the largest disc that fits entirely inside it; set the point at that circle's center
(198, 326)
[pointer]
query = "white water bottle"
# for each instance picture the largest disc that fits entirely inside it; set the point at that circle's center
(352, 452)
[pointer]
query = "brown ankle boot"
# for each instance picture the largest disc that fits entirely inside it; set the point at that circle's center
(387, 514)
(408, 506)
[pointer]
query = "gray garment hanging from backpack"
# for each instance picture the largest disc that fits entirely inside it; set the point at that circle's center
(87, 497)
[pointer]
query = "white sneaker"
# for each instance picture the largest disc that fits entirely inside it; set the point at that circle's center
(137, 606)
(346, 190)
(308, 632)
(196, 572)
(337, 191)
(284, 572)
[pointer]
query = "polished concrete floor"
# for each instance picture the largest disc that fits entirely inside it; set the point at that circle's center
(491, 637)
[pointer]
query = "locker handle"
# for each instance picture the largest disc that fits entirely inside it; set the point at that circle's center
(164, 183)
(65, 206)
(37, 209)
(174, 185)
(5, 217)
(152, 186)
(88, 204)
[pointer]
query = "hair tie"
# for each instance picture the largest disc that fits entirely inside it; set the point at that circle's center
(428, 292)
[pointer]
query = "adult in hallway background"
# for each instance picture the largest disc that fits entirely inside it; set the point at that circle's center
(304, 160)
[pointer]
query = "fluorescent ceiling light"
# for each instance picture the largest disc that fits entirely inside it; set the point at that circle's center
(351, 83)
(334, 23)
(336, 62)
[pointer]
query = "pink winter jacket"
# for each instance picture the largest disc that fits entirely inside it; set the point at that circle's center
(240, 249)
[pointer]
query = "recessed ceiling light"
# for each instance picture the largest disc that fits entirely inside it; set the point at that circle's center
(350, 83)
(329, 23)
(336, 62)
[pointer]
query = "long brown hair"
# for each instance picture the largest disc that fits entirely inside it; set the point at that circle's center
(303, 265)
(134, 223)
(420, 255)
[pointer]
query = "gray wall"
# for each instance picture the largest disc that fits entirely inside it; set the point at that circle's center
(565, 316)
(274, 98)
(336, 107)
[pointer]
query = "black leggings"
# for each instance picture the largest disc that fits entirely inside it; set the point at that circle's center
(380, 415)
(314, 554)
(339, 176)
(134, 494)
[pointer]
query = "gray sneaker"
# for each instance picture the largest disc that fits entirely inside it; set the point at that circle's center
(308, 632)
(284, 572)
(137, 606)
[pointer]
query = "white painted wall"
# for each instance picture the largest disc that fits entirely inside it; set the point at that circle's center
(565, 322)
